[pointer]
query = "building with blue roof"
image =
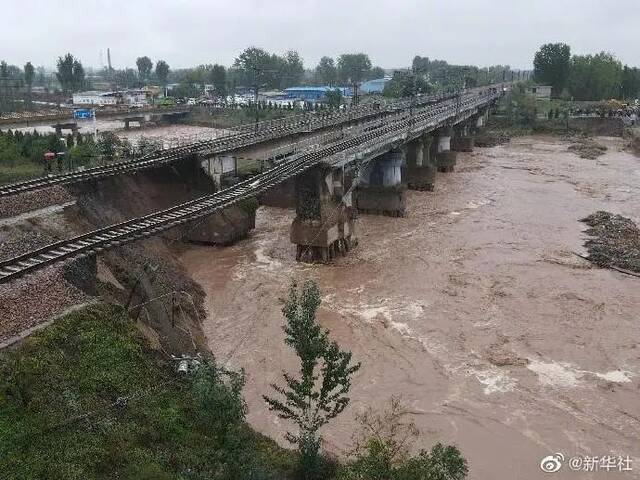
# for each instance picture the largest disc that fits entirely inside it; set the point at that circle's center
(314, 94)
(374, 86)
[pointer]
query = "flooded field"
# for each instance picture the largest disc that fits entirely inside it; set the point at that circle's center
(169, 134)
(474, 308)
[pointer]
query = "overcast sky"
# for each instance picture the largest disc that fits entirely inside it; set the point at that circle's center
(191, 32)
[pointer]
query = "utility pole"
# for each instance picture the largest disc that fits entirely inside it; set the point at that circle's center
(255, 99)
(355, 94)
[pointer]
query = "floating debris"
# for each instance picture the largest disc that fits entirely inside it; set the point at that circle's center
(491, 139)
(587, 148)
(615, 241)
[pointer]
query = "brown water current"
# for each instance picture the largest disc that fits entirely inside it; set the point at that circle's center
(473, 308)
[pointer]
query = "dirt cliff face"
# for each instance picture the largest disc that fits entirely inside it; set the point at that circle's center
(145, 275)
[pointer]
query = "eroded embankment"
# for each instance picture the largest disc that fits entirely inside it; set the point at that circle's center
(473, 308)
(145, 276)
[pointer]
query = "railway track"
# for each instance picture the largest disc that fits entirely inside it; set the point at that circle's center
(125, 232)
(240, 139)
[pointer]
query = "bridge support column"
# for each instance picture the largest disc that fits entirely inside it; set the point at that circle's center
(324, 224)
(380, 187)
(127, 126)
(445, 158)
(420, 174)
(462, 141)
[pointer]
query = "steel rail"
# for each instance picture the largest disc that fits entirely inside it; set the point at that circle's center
(156, 222)
(269, 131)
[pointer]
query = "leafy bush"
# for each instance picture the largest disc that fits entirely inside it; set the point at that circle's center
(83, 153)
(381, 451)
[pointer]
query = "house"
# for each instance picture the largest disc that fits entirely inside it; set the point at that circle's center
(542, 92)
(101, 99)
(135, 97)
(374, 86)
(96, 98)
(313, 94)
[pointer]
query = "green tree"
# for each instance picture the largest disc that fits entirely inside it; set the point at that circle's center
(376, 72)
(218, 77)
(108, 144)
(353, 68)
(5, 103)
(84, 152)
(334, 98)
(9, 151)
(126, 78)
(406, 84)
(440, 463)
(65, 72)
(70, 73)
(41, 76)
(78, 76)
(145, 66)
(595, 77)
(630, 82)
(402, 84)
(162, 72)
(326, 71)
(320, 393)
(292, 69)
(222, 410)
(551, 65)
(257, 68)
(420, 65)
(29, 76)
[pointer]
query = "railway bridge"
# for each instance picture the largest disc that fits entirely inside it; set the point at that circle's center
(366, 169)
(265, 135)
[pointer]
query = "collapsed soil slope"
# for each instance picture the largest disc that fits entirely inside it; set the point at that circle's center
(144, 275)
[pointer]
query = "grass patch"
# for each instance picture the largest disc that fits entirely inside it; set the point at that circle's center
(86, 398)
(19, 172)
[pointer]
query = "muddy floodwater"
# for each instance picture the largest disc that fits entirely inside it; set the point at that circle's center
(474, 308)
(168, 134)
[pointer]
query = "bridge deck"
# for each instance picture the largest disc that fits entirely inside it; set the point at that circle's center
(112, 236)
(243, 137)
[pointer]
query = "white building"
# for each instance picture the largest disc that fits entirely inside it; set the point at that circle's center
(96, 98)
(99, 99)
(135, 97)
(540, 91)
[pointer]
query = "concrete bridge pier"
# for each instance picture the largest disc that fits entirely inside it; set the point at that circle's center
(140, 120)
(445, 158)
(59, 127)
(463, 140)
(419, 173)
(324, 223)
(380, 188)
(482, 118)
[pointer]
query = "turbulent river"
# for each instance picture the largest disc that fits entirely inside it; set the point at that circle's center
(474, 309)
